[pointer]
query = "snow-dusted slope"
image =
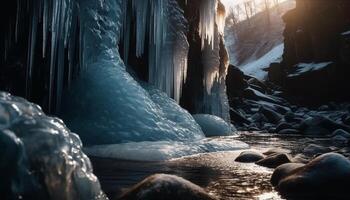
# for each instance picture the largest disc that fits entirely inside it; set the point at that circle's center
(251, 39)
(256, 68)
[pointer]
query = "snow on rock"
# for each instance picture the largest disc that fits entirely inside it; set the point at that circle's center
(346, 33)
(256, 68)
(39, 157)
(163, 186)
(302, 68)
(213, 125)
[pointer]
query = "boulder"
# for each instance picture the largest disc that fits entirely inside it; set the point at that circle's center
(283, 125)
(163, 186)
(276, 151)
(283, 171)
(320, 125)
(341, 132)
(271, 115)
(325, 177)
(249, 157)
(289, 132)
(274, 160)
(314, 149)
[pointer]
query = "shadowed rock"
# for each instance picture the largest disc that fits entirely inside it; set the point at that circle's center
(325, 177)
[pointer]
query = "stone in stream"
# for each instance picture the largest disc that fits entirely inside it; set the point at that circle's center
(288, 132)
(163, 186)
(282, 126)
(276, 151)
(249, 157)
(325, 177)
(274, 160)
(314, 149)
(283, 171)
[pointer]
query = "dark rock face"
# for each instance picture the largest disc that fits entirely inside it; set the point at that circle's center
(249, 157)
(316, 32)
(325, 177)
(162, 186)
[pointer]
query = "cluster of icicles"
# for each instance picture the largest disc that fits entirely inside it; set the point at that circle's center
(161, 20)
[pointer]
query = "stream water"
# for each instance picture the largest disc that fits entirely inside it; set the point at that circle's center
(217, 173)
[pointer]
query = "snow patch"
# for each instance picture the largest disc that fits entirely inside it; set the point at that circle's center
(346, 33)
(302, 68)
(256, 68)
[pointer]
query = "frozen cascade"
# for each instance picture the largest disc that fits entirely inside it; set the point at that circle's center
(207, 20)
(113, 112)
(163, 23)
(106, 104)
(215, 63)
(40, 158)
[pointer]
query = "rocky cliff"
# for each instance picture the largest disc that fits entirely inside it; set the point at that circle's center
(315, 66)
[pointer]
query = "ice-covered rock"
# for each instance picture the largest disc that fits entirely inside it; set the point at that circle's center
(325, 177)
(39, 157)
(213, 125)
(163, 186)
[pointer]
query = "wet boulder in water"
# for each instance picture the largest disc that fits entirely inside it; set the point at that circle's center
(325, 177)
(314, 149)
(289, 132)
(274, 160)
(163, 186)
(249, 157)
(283, 171)
(276, 151)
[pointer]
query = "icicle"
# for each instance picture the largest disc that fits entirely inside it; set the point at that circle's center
(31, 48)
(164, 25)
(221, 17)
(207, 19)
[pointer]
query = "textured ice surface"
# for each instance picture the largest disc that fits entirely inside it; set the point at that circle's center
(213, 126)
(163, 150)
(39, 157)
